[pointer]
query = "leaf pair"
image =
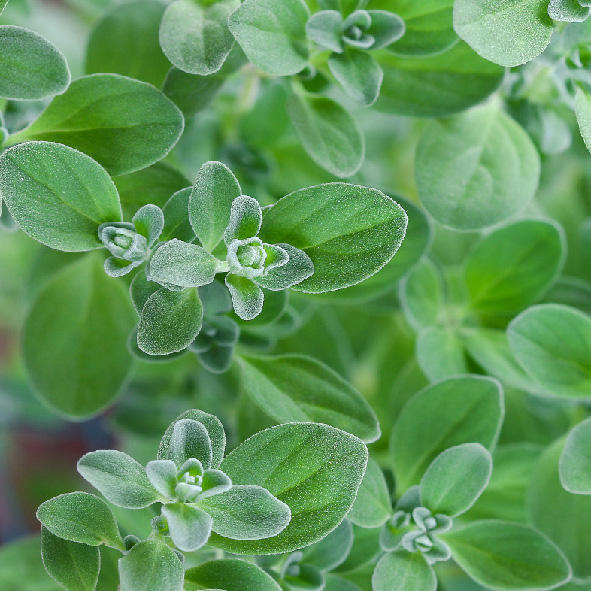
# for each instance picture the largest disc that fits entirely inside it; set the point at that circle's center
(349, 40)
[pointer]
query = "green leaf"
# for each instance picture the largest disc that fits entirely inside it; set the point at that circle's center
(421, 294)
(349, 232)
(58, 195)
(505, 32)
(373, 505)
(337, 583)
(125, 41)
(229, 574)
(272, 34)
(553, 345)
(386, 28)
(74, 566)
(247, 296)
(196, 38)
(246, 513)
(74, 340)
(180, 264)
(413, 247)
(151, 565)
(325, 28)
(170, 321)
(505, 494)
(476, 169)
(328, 133)
(329, 553)
(123, 124)
(575, 461)
(24, 78)
(436, 86)
(291, 388)
(176, 221)
(245, 219)
(80, 517)
(569, 11)
(3, 4)
(505, 555)
(298, 268)
(215, 431)
(583, 113)
(455, 479)
(410, 571)
(440, 353)
(466, 409)
(428, 26)
(119, 478)
(189, 526)
(325, 467)
(514, 265)
(564, 517)
(358, 73)
(211, 202)
(490, 349)
(190, 439)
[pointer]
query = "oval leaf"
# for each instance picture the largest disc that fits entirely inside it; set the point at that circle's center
(467, 409)
(553, 345)
(124, 124)
(23, 76)
(326, 466)
(229, 574)
(294, 388)
(75, 339)
(58, 195)
(349, 232)
(409, 570)
(505, 555)
(80, 517)
(476, 169)
(575, 461)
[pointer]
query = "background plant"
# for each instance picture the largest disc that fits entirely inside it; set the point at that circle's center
(332, 226)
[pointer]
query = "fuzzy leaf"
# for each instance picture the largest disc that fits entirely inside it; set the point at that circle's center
(211, 201)
(568, 11)
(505, 555)
(245, 219)
(272, 34)
(358, 73)
(349, 232)
(386, 28)
(506, 32)
(324, 469)
(476, 169)
(328, 133)
(24, 78)
(124, 124)
(229, 574)
(80, 517)
(190, 439)
(215, 431)
(298, 268)
(467, 409)
(163, 475)
(170, 321)
(325, 28)
(75, 339)
(119, 478)
(455, 479)
(176, 223)
(180, 264)
(333, 550)
(373, 505)
(151, 565)
(246, 513)
(291, 388)
(195, 38)
(76, 194)
(149, 222)
(74, 566)
(189, 526)
(247, 296)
